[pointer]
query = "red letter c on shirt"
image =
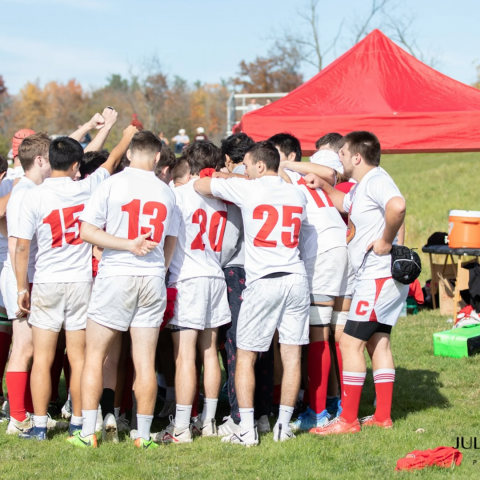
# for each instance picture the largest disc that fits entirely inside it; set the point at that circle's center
(361, 308)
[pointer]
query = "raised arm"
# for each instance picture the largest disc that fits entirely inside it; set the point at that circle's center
(394, 216)
(117, 153)
(110, 116)
(314, 181)
(140, 246)
(327, 173)
(97, 121)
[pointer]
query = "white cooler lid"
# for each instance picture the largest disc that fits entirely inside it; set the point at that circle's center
(464, 213)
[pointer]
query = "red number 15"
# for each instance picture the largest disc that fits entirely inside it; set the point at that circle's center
(70, 221)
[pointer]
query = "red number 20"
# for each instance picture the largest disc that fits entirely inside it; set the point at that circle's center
(54, 219)
(289, 240)
(200, 217)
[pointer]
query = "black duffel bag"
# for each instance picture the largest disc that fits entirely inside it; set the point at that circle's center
(406, 264)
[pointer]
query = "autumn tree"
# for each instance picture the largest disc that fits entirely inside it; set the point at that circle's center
(277, 72)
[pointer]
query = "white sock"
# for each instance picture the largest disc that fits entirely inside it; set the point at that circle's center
(170, 393)
(40, 421)
(116, 411)
(76, 420)
(246, 418)
(144, 422)
(89, 422)
(182, 416)
(285, 414)
(209, 408)
(161, 380)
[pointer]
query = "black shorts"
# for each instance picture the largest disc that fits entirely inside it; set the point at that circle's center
(365, 330)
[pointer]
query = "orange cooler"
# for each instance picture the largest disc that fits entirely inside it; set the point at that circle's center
(464, 229)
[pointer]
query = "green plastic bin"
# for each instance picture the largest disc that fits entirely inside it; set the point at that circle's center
(458, 342)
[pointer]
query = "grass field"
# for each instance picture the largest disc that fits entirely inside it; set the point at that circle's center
(437, 394)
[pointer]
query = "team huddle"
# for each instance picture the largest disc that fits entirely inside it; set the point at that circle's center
(283, 265)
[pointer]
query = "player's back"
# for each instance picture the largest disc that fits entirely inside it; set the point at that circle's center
(273, 212)
(129, 204)
(324, 228)
(52, 210)
(200, 236)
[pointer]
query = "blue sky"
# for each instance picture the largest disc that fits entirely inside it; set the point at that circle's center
(201, 40)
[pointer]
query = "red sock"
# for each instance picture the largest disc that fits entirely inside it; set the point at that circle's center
(66, 371)
(197, 396)
(352, 391)
(28, 396)
(5, 341)
(127, 401)
(277, 392)
(55, 373)
(384, 379)
(18, 385)
(319, 361)
(340, 366)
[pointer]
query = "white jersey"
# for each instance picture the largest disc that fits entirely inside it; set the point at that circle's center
(200, 235)
(273, 212)
(13, 216)
(129, 204)
(366, 204)
(51, 211)
(5, 188)
(324, 228)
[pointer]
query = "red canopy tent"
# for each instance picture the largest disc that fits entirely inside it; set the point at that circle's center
(379, 87)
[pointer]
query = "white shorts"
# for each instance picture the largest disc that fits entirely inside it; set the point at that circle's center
(328, 273)
(274, 303)
(379, 300)
(60, 305)
(201, 303)
(126, 301)
(8, 285)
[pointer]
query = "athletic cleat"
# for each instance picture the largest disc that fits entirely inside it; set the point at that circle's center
(334, 407)
(56, 425)
(15, 427)
(34, 433)
(207, 428)
(6, 408)
(72, 428)
(372, 422)
(337, 426)
(246, 438)
(3, 417)
(110, 429)
(145, 444)
(173, 435)
(168, 409)
(90, 441)
(67, 409)
(228, 427)
(282, 433)
(123, 424)
(263, 425)
(309, 419)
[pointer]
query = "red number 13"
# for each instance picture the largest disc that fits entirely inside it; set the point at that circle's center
(150, 208)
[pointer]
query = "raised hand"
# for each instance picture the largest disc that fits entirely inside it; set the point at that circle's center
(97, 121)
(110, 116)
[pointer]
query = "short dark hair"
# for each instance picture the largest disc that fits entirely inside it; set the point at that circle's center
(236, 145)
(366, 144)
(92, 161)
(267, 153)
(180, 169)
(167, 159)
(288, 144)
(124, 163)
(333, 139)
(32, 147)
(3, 164)
(64, 152)
(146, 142)
(200, 155)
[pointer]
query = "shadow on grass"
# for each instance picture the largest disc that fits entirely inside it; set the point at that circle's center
(414, 391)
